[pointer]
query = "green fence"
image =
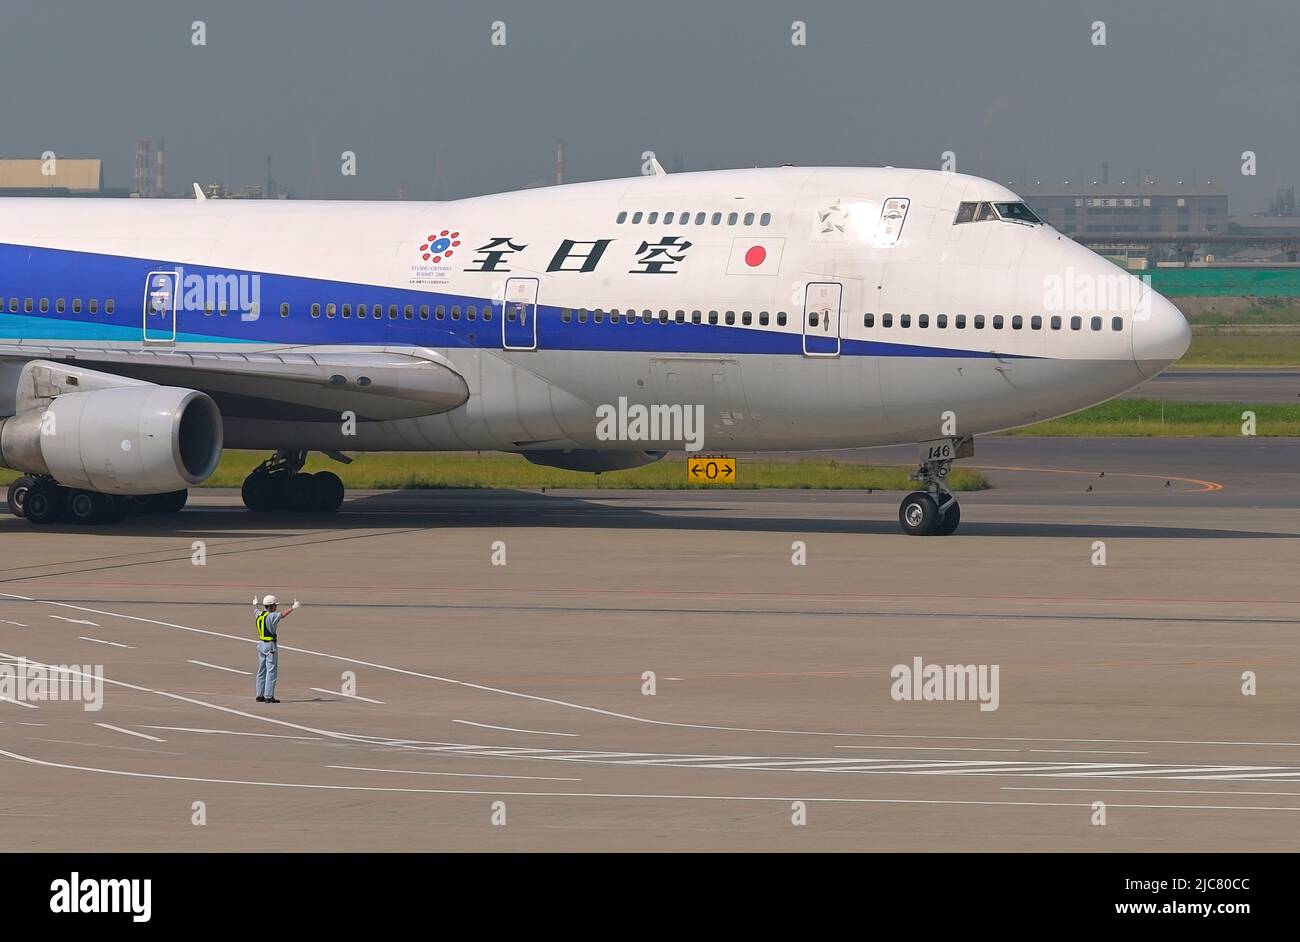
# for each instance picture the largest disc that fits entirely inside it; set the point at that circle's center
(1215, 282)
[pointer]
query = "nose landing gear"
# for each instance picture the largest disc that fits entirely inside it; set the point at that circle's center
(933, 510)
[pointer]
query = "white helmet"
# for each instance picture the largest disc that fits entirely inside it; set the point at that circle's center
(269, 601)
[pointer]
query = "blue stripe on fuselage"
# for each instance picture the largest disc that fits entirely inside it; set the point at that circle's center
(29, 272)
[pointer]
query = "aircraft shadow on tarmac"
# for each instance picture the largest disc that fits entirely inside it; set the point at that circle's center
(492, 507)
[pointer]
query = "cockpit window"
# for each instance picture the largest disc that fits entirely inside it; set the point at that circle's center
(1017, 212)
(983, 212)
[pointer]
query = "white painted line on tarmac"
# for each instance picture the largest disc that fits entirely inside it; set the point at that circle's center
(232, 732)
(350, 696)
(511, 729)
(130, 732)
(16, 624)
(232, 670)
(30, 706)
(1093, 752)
(113, 643)
(626, 796)
(936, 748)
(74, 621)
(1153, 791)
(528, 778)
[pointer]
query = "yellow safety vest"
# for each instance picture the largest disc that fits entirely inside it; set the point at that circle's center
(262, 634)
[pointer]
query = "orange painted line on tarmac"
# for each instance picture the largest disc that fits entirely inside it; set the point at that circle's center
(1204, 485)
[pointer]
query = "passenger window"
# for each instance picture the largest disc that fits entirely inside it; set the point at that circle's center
(621, 217)
(997, 322)
(1076, 322)
(614, 317)
(923, 320)
(471, 312)
(487, 313)
(764, 219)
(636, 218)
(1096, 323)
(961, 321)
(747, 318)
(455, 312)
(93, 305)
(330, 310)
(598, 316)
(1017, 322)
(45, 305)
(76, 305)
(424, 312)
(731, 219)
(315, 310)
(59, 306)
(347, 311)
(1117, 323)
(868, 320)
(979, 321)
(1056, 322)
(780, 318)
(812, 319)
(713, 317)
(886, 320)
(717, 219)
(696, 317)
(904, 320)
(731, 317)
(408, 312)
(27, 305)
(1036, 322)
(284, 308)
(699, 219)
(439, 312)
(941, 321)
(109, 306)
(392, 312)
(668, 219)
(652, 218)
(663, 317)
(680, 317)
(749, 219)
(566, 315)
(582, 315)
(647, 316)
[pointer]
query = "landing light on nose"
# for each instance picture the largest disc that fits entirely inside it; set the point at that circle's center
(1161, 335)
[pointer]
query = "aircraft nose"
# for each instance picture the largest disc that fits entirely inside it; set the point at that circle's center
(1161, 335)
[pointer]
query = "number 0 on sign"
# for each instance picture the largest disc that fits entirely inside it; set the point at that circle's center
(717, 470)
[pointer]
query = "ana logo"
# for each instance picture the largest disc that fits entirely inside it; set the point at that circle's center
(440, 246)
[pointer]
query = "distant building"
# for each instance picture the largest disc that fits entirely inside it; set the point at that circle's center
(77, 176)
(1131, 210)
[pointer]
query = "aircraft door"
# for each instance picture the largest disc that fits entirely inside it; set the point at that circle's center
(519, 323)
(159, 315)
(821, 319)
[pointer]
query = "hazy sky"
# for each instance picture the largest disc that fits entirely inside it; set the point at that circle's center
(415, 88)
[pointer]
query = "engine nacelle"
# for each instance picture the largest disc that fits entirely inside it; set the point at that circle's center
(588, 459)
(136, 439)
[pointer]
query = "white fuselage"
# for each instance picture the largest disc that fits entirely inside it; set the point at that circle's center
(800, 308)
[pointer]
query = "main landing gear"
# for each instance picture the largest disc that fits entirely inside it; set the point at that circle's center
(278, 484)
(42, 500)
(933, 510)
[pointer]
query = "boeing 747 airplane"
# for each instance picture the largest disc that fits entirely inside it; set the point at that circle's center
(773, 309)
